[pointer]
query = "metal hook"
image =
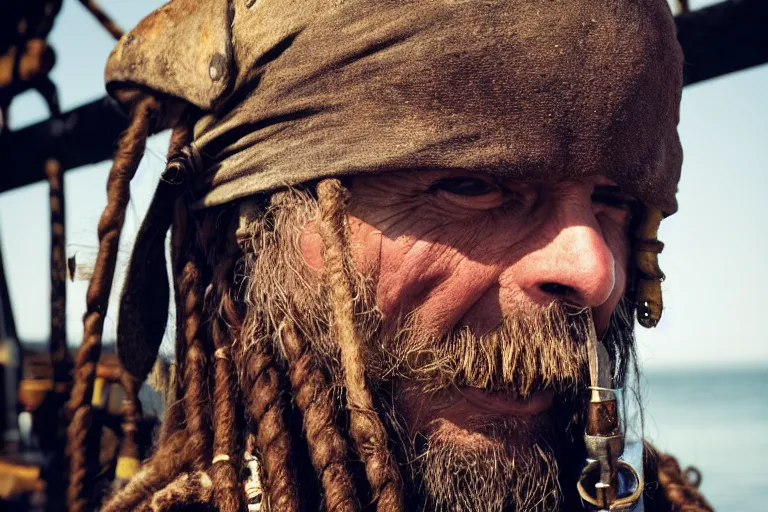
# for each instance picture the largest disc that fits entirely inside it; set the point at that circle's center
(621, 503)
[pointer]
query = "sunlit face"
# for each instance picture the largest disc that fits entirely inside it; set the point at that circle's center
(465, 249)
(462, 248)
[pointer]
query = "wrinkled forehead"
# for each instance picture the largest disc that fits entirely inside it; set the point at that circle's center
(296, 91)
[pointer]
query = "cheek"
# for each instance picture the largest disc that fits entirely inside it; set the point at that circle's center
(433, 267)
(437, 282)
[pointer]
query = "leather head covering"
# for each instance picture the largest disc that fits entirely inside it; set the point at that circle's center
(297, 90)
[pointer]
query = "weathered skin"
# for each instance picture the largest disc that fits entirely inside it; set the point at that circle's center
(462, 260)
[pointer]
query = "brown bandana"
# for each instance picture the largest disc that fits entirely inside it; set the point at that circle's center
(296, 90)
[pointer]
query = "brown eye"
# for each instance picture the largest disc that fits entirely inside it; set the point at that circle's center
(613, 201)
(623, 206)
(465, 186)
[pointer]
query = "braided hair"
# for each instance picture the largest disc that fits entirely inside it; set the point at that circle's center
(80, 445)
(222, 390)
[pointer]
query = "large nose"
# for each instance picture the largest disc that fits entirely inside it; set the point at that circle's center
(571, 262)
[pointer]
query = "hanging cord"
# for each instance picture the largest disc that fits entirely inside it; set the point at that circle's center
(60, 358)
(61, 361)
(82, 440)
(327, 447)
(366, 428)
(106, 22)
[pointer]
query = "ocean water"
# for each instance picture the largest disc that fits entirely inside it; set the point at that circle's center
(716, 420)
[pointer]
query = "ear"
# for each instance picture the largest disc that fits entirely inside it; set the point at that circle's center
(311, 246)
(365, 244)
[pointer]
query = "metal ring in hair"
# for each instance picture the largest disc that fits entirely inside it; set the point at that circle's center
(621, 503)
(221, 457)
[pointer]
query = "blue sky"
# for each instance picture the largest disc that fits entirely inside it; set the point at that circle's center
(715, 246)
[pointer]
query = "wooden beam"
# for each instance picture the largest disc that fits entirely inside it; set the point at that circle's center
(86, 135)
(723, 38)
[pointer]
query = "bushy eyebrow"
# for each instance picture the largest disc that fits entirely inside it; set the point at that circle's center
(613, 190)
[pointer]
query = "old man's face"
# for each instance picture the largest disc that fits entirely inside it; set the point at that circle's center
(467, 260)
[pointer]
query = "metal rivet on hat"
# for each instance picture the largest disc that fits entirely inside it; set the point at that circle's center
(216, 68)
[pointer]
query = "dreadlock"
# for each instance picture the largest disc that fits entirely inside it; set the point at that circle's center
(327, 447)
(679, 492)
(79, 433)
(260, 379)
(196, 369)
(226, 319)
(366, 428)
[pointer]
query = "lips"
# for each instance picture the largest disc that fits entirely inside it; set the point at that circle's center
(500, 403)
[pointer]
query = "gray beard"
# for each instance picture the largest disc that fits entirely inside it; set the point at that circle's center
(499, 477)
(458, 480)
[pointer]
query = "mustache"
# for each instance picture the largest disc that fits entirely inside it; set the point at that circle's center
(527, 352)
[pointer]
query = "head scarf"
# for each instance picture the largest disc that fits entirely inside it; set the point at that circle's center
(292, 91)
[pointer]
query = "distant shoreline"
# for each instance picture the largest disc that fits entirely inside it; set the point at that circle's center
(704, 368)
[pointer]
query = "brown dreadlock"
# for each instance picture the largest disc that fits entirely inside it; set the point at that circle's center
(366, 428)
(129, 153)
(227, 489)
(677, 492)
(327, 447)
(260, 377)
